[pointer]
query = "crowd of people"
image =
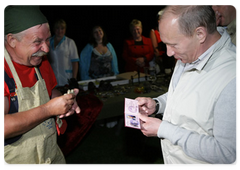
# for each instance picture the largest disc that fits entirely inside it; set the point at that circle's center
(99, 59)
(199, 109)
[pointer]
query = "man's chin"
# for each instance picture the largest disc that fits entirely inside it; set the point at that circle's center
(35, 61)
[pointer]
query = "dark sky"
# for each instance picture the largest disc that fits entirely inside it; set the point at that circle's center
(114, 20)
(113, 17)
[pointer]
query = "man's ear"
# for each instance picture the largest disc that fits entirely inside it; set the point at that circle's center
(201, 33)
(11, 40)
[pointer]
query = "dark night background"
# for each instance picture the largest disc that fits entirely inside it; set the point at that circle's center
(113, 17)
(114, 20)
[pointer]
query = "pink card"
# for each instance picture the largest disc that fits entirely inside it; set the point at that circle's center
(131, 111)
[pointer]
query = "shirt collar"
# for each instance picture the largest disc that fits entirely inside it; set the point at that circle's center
(202, 59)
(52, 41)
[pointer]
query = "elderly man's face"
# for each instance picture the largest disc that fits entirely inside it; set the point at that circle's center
(34, 45)
(178, 45)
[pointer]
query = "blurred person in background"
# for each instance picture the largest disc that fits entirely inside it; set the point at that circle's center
(63, 55)
(226, 17)
(98, 58)
(137, 50)
(163, 63)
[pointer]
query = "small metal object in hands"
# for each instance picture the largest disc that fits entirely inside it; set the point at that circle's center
(59, 121)
(70, 91)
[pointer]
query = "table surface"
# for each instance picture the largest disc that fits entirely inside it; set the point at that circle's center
(113, 101)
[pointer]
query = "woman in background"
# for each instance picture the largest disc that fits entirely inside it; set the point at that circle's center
(63, 55)
(98, 58)
(137, 50)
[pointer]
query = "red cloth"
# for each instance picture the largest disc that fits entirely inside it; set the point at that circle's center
(157, 36)
(27, 75)
(79, 124)
(61, 130)
(131, 52)
(161, 51)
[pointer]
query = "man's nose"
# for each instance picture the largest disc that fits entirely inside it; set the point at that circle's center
(170, 51)
(45, 46)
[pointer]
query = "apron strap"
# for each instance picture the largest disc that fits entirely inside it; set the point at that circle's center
(12, 68)
(14, 72)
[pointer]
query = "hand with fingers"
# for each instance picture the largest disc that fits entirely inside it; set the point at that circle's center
(63, 106)
(149, 125)
(147, 105)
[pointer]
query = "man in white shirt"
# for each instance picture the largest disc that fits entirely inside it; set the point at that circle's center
(199, 109)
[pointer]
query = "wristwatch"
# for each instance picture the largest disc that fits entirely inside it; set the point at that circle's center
(157, 106)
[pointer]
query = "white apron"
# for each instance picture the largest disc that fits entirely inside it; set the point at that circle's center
(38, 145)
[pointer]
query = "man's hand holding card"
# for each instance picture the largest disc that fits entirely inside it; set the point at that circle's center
(133, 119)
